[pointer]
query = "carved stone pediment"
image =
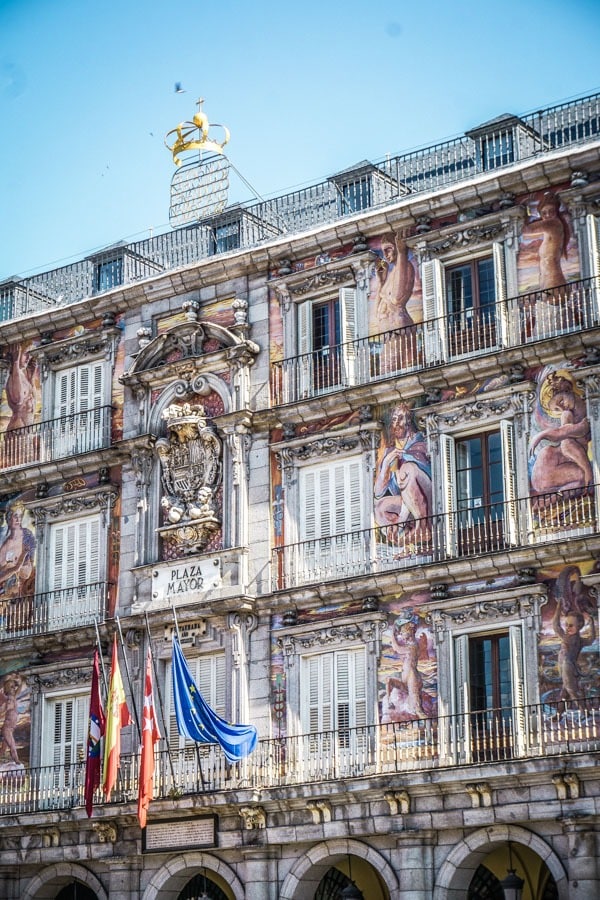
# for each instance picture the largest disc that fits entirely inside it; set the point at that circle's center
(191, 469)
(188, 341)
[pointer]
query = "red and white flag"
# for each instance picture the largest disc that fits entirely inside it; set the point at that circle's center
(150, 735)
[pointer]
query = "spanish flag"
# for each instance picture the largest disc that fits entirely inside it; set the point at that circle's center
(117, 716)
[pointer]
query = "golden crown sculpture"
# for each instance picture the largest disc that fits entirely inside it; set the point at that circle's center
(194, 136)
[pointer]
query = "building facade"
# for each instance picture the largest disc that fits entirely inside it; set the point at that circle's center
(347, 442)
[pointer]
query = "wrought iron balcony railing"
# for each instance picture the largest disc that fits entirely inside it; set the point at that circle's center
(484, 737)
(470, 530)
(57, 610)
(371, 186)
(56, 438)
(510, 323)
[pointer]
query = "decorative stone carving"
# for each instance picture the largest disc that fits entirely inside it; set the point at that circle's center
(50, 837)
(347, 632)
(320, 811)
(320, 280)
(480, 794)
(106, 831)
(253, 817)
(398, 801)
(76, 350)
(74, 504)
(191, 467)
(466, 237)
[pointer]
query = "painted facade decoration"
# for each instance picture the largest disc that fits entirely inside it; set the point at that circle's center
(402, 491)
(560, 455)
(15, 719)
(568, 644)
(395, 287)
(17, 564)
(407, 683)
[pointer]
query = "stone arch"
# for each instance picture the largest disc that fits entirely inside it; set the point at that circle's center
(170, 879)
(43, 885)
(455, 874)
(303, 878)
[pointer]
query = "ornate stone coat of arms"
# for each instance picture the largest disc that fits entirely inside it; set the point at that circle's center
(191, 470)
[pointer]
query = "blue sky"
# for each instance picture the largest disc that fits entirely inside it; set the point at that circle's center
(87, 95)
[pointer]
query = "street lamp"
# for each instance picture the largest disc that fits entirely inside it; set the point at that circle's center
(512, 885)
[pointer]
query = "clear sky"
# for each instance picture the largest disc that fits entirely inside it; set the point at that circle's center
(307, 89)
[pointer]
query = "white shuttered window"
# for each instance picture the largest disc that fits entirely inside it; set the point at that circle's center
(209, 673)
(333, 696)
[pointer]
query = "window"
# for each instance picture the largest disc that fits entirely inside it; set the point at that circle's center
(108, 274)
(330, 519)
(464, 305)
(471, 301)
(326, 342)
(490, 694)
(74, 592)
(81, 421)
(334, 708)
(497, 149)
(356, 195)
(479, 491)
(64, 742)
(225, 237)
(209, 673)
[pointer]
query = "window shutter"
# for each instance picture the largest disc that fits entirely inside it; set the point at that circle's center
(359, 691)
(434, 323)
(66, 733)
(593, 235)
(304, 348)
(502, 315)
(461, 698)
(330, 500)
(448, 454)
(509, 476)
(348, 314)
(519, 688)
(335, 698)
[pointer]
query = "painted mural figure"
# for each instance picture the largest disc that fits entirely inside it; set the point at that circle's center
(572, 642)
(550, 233)
(20, 390)
(403, 479)
(11, 687)
(395, 281)
(562, 464)
(410, 681)
(17, 556)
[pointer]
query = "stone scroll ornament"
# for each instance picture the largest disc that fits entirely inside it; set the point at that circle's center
(191, 471)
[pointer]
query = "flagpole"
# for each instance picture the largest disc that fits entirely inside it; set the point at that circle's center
(131, 694)
(104, 681)
(160, 700)
(198, 758)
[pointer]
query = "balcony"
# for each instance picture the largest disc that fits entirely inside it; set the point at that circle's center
(520, 320)
(469, 531)
(482, 738)
(491, 147)
(56, 438)
(57, 610)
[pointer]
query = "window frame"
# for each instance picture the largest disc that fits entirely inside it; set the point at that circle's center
(442, 343)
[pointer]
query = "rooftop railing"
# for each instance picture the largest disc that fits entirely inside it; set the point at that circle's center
(475, 738)
(474, 528)
(529, 317)
(493, 146)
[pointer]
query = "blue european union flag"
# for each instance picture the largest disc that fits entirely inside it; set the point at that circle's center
(198, 722)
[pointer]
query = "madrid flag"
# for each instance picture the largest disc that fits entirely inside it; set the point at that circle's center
(93, 760)
(150, 735)
(117, 716)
